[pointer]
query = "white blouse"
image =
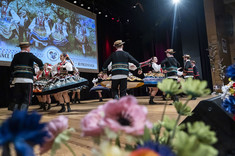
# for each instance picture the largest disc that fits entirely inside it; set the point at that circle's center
(156, 67)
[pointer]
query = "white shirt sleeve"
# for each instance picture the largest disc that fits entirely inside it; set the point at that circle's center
(68, 66)
(156, 67)
(132, 66)
(94, 80)
(110, 66)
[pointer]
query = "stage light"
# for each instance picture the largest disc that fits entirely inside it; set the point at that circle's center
(74, 2)
(118, 20)
(134, 6)
(112, 18)
(99, 12)
(88, 7)
(82, 4)
(176, 1)
(128, 20)
(106, 16)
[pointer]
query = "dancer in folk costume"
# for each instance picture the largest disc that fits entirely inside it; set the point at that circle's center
(154, 76)
(41, 80)
(120, 69)
(97, 86)
(22, 72)
(63, 69)
(63, 81)
(132, 81)
(188, 68)
(196, 74)
(170, 67)
(77, 90)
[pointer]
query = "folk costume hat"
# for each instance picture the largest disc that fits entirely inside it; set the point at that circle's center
(186, 56)
(118, 43)
(170, 51)
(192, 61)
(24, 44)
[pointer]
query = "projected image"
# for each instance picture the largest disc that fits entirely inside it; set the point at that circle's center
(51, 29)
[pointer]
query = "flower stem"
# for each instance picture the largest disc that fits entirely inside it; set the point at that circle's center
(163, 113)
(174, 130)
(164, 110)
(71, 150)
(177, 121)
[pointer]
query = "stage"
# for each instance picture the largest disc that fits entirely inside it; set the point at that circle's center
(82, 145)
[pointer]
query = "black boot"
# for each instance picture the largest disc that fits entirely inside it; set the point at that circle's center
(68, 107)
(48, 106)
(40, 104)
(58, 104)
(100, 99)
(44, 107)
(151, 102)
(78, 100)
(73, 100)
(62, 108)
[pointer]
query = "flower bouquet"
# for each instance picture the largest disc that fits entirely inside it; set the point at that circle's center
(229, 92)
(121, 128)
(24, 131)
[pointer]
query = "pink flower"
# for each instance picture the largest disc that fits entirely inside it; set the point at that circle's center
(125, 115)
(54, 128)
(90, 123)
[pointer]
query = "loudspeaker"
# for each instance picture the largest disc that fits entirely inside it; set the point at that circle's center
(211, 113)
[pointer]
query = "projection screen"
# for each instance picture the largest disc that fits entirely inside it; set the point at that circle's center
(52, 27)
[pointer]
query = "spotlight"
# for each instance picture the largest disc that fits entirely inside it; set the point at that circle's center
(112, 18)
(75, 2)
(106, 16)
(88, 7)
(134, 6)
(82, 4)
(99, 12)
(128, 20)
(176, 1)
(118, 20)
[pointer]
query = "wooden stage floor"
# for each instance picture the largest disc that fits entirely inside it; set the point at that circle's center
(82, 145)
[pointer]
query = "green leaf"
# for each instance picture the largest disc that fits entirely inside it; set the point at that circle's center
(186, 145)
(61, 138)
(156, 130)
(202, 132)
(170, 87)
(130, 139)
(182, 109)
(110, 134)
(147, 134)
(195, 88)
(164, 138)
(117, 142)
(96, 140)
(168, 123)
(129, 147)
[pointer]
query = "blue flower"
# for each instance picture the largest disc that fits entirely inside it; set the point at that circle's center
(229, 104)
(160, 149)
(231, 72)
(24, 131)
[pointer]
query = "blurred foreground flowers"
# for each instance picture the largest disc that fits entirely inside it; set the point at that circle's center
(25, 131)
(122, 128)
